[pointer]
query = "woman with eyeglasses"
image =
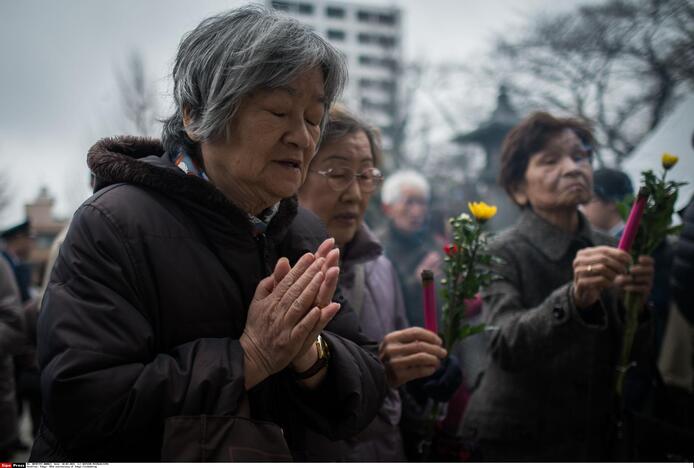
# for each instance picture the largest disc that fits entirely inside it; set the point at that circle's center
(342, 178)
(548, 390)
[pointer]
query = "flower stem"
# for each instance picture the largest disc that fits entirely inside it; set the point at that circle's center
(633, 303)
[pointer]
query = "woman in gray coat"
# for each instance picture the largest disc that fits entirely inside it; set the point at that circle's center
(547, 393)
(341, 180)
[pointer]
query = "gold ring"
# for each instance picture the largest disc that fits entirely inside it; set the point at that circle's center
(590, 268)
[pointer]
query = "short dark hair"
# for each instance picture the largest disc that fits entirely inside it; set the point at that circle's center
(611, 185)
(21, 229)
(341, 122)
(529, 137)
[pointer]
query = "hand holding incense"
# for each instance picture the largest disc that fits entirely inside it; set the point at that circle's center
(430, 322)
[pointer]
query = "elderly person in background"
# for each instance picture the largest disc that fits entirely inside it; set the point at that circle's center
(192, 286)
(407, 241)
(548, 390)
(342, 177)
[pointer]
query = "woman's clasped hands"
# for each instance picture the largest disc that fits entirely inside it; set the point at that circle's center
(288, 311)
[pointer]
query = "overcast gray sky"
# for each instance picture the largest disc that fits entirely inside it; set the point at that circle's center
(58, 88)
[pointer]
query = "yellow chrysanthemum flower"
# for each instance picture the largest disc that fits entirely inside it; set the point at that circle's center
(669, 160)
(481, 211)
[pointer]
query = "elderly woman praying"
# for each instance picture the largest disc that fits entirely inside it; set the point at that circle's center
(190, 314)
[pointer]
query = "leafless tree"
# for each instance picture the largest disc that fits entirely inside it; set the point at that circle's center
(621, 64)
(437, 98)
(138, 95)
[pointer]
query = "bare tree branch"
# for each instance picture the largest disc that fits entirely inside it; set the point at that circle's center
(620, 64)
(137, 95)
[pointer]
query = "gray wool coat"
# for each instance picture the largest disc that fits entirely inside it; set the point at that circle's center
(547, 393)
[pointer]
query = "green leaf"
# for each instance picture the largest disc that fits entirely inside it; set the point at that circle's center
(674, 230)
(469, 330)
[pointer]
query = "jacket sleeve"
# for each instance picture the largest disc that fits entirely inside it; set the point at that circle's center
(11, 324)
(400, 311)
(353, 389)
(683, 267)
(524, 336)
(102, 377)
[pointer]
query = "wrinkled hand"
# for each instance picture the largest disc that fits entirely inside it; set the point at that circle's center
(595, 269)
(410, 354)
(331, 272)
(432, 261)
(639, 279)
(283, 315)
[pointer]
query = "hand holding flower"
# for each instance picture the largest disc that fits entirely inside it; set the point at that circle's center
(410, 354)
(639, 280)
(595, 269)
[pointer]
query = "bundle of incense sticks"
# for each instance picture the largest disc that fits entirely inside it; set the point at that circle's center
(634, 220)
(429, 301)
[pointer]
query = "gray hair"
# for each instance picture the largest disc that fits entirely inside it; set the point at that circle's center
(228, 56)
(392, 187)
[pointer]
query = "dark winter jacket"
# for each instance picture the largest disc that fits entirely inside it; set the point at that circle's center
(11, 342)
(382, 311)
(683, 266)
(146, 302)
(548, 391)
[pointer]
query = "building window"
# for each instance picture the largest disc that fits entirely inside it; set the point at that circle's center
(380, 39)
(293, 7)
(306, 8)
(376, 18)
(385, 85)
(284, 6)
(335, 12)
(385, 62)
(386, 19)
(365, 38)
(336, 35)
(364, 16)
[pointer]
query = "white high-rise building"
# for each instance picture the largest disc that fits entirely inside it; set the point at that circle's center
(371, 39)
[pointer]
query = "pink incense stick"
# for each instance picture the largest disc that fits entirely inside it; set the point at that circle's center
(632, 226)
(429, 301)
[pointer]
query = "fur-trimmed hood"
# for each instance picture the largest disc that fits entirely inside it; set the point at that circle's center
(143, 162)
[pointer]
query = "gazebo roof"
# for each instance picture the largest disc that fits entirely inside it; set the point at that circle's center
(503, 119)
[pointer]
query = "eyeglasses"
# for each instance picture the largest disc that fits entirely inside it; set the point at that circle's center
(341, 178)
